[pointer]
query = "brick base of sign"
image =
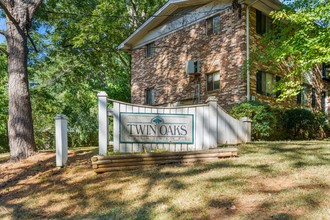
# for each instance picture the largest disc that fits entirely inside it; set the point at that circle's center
(126, 162)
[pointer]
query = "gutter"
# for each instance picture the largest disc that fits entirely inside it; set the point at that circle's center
(248, 95)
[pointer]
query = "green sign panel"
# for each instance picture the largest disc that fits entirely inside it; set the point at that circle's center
(156, 128)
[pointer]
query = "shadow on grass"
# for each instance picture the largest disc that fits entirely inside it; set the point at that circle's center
(102, 201)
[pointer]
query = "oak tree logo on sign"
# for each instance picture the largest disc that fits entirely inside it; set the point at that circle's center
(157, 120)
(156, 128)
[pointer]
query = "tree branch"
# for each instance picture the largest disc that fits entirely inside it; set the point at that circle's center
(8, 14)
(121, 58)
(33, 9)
(4, 51)
(3, 32)
(134, 14)
(32, 42)
(3, 5)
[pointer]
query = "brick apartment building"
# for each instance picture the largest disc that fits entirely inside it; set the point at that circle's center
(190, 50)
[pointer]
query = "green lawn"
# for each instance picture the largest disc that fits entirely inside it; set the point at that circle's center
(270, 180)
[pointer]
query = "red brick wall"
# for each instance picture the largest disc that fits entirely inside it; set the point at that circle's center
(165, 71)
(224, 52)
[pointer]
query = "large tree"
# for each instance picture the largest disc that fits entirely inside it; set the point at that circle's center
(299, 42)
(81, 40)
(78, 56)
(19, 16)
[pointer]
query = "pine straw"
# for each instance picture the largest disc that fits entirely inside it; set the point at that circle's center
(277, 180)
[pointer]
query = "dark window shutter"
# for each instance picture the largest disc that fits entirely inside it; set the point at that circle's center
(146, 97)
(259, 82)
(263, 24)
(150, 96)
(299, 98)
(278, 93)
(313, 98)
(258, 22)
(325, 70)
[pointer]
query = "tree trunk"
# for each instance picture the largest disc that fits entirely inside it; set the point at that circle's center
(20, 123)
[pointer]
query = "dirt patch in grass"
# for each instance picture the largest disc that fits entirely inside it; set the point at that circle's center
(271, 180)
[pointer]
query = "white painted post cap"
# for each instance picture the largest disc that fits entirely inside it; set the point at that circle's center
(245, 119)
(61, 117)
(212, 99)
(102, 94)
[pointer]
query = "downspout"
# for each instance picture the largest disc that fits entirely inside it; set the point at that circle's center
(248, 95)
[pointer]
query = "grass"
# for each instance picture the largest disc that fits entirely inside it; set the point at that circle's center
(270, 180)
(4, 157)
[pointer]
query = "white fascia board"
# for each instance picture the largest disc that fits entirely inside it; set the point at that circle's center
(145, 24)
(156, 19)
(135, 39)
(266, 6)
(166, 29)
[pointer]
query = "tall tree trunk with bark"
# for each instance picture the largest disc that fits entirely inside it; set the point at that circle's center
(19, 15)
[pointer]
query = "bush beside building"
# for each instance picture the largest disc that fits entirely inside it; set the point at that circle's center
(278, 124)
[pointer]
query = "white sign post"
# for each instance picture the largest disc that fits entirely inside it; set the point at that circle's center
(103, 123)
(61, 130)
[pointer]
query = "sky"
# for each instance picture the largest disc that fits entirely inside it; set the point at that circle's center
(2, 26)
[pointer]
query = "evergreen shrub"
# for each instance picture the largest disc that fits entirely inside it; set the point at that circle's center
(276, 124)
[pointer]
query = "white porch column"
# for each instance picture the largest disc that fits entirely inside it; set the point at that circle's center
(213, 121)
(61, 131)
(247, 128)
(103, 123)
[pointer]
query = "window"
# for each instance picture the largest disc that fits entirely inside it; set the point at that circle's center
(325, 70)
(150, 50)
(324, 102)
(213, 25)
(278, 92)
(150, 97)
(303, 97)
(313, 98)
(263, 23)
(265, 83)
(213, 82)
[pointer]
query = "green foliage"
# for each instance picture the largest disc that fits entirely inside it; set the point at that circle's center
(298, 42)
(299, 123)
(303, 124)
(275, 124)
(78, 58)
(263, 120)
(3, 104)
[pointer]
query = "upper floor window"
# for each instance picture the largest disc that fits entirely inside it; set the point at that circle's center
(150, 50)
(266, 83)
(213, 81)
(278, 92)
(304, 96)
(313, 97)
(263, 23)
(213, 25)
(324, 102)
(325, 70)
(150, 97)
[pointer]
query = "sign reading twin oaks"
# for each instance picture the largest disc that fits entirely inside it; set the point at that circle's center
(156, 128)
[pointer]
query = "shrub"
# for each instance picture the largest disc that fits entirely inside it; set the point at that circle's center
(263, 119)
(300, 123)
(304, 124)
(276, 124)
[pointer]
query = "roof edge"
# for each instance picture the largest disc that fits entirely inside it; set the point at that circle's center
(123, 46)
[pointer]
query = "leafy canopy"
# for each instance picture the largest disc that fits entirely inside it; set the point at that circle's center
(298, 44)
